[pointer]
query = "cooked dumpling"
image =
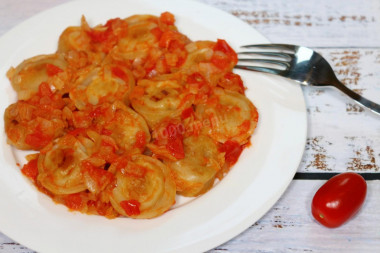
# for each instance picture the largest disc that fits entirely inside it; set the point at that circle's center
(59, 168)
(128, 128)
(27, 131)
(158, 100)
(144, 188)
(195, 174)
(102, 84)
(27, 76)
(228, 115)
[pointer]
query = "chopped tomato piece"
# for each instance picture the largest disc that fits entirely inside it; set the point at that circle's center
(44, 90)
(121, 162)
(175, 141)
(101, 207)
(97, 112)
(37, 139)
(167, 18)
(232, 150)
(31, 169)
(187, 113)
(99, 175)
(156, 32)
(131, 207)
(118, 72)
(106, 131)
(221, 45)
(52, 70)
(74, 201)
(223, 55)
(220, 61)
(171, 39)
(140, 139)
(107, 152)
(108, 37)
(232, 82)
(244, 127)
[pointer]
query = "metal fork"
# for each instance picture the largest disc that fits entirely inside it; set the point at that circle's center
(301, 64)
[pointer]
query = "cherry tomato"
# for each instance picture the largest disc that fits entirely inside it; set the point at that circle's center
(339, 199)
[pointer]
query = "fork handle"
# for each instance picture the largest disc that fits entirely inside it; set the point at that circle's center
(358, 98)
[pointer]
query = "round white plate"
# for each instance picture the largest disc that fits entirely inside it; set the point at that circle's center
(253, 185)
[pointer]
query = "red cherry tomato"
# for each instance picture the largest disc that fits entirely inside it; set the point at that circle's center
(339, 199)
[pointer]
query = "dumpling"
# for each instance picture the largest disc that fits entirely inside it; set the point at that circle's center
(59, 168)
(228, 115)
(27, 76)
(144, 188)
(195, 174)
(158, 100)
(102, 84)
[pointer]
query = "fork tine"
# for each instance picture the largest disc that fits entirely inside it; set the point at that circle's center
(276, 62)
(260, 69)
(273, 46)
(271, 54)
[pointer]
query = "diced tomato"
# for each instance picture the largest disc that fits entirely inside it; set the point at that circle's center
(134, 170)
(37, 139)
(109, 142)
(121, 162)
(233, 82)
(44, 90)
(52, 70)
(186, 99)
(221, 45)
(99, 175)
(156, 32)
(31, 169)
(73, 201)
(220, 61)
(232, 150)
(167, 18)
(244, 127)
(97, 112)
(224, 56)
(187, 113)
(98, 35)
(175, 141)
(106, 132)
(107, 152)
(101, 207)
(171, 39)
(118, 72)
(108, 37)
(140, 139)
(131, 207)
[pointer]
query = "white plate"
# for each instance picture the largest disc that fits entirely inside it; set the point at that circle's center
(254, 184)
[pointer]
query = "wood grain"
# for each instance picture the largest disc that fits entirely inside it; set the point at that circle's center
(289, 227)
(342, 135)
(311, 23)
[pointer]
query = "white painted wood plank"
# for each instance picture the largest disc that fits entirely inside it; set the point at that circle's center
(290, 227)
(342, 135)
(311, 23)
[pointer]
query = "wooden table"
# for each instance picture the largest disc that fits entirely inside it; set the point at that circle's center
(341, 135)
